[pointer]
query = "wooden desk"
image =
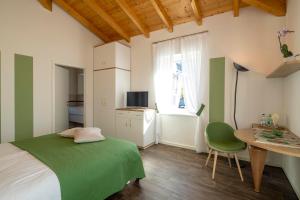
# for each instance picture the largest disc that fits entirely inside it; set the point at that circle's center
(258, 152)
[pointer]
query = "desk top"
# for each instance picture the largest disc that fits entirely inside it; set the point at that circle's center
(247, 135)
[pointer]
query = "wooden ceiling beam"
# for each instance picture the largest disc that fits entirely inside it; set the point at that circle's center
(195, 4)
(275, 7)
(46, 4)
(162, 14)
(90, 26)
(236, 7)
(107, 18)
(134, 18)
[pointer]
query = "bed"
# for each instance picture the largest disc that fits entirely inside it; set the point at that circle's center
(76, 113)
(52, 168)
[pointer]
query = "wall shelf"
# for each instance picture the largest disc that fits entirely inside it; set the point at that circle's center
(285, 69)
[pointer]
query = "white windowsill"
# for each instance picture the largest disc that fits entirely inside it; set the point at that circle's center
(179, 112)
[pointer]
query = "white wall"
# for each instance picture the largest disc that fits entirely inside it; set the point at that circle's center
(178, 131)
(291, 165)
(255, 95)
(50, 37)
(249, 39)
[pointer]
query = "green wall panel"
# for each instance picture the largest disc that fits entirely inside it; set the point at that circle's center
(0, 97)
(216, 89)
(23, 97)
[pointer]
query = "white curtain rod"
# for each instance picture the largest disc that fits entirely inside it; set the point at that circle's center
(180, 37)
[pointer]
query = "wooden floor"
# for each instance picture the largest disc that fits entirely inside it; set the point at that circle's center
(175, 173)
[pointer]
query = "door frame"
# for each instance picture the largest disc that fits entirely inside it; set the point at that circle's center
(54, 65)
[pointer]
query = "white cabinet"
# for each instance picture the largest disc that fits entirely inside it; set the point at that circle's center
(110, 84)
(136, 126)
(112, 55)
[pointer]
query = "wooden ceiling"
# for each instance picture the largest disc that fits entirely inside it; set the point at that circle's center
(113, 20)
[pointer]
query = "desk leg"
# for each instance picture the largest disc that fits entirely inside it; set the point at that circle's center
(258, 157)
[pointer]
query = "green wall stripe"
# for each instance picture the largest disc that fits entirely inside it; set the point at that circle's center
(0, 97)
(23, 97)
(216, 89)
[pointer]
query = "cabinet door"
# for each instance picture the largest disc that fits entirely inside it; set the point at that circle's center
(121, 127)
(122, 56)
(104, 89)
(136, 131)
(104, 104)
(129, 129)
(128, 134)
(105, 120)
(104, 56)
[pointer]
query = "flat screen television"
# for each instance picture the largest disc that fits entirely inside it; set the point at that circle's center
(137, 99)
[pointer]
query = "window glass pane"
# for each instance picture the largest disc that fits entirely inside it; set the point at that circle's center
(178, 90)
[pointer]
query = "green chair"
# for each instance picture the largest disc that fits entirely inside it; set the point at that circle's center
(220, 138)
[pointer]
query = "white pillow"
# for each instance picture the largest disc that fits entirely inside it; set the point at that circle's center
(69, 133)
(88, 135)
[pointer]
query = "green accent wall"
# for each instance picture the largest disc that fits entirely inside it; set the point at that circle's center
(0, 97)
(216, 89)
(23, 97)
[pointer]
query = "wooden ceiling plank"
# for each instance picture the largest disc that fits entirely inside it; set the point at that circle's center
(236, 7)
(134, 18)
(162, 14)
(195, 4)
(66, 7)
(46, 4)
(275, 7)
(107, 18)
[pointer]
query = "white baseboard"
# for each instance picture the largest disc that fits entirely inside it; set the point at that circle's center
(177, 145)
(246, 158)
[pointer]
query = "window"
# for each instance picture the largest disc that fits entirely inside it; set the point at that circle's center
(180, 75)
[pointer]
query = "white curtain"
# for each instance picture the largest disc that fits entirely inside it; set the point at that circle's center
(163, 78)
(196, 75)
(163, 73)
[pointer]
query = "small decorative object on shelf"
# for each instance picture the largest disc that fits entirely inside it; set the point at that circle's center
(284, 47)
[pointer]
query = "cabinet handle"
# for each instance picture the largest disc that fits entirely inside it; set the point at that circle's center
(130, 124)
(126, 124)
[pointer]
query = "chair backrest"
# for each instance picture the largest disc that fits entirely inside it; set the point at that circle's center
(219, 131)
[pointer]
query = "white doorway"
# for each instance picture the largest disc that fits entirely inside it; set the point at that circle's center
(68, 98)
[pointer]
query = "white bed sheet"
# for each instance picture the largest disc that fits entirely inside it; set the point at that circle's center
(24, 177)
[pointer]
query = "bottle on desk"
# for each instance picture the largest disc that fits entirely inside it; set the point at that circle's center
(266, 120)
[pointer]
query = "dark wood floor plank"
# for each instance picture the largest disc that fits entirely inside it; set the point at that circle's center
(176, 174)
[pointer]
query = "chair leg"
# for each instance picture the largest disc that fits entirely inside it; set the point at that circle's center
(239, 168)
(209, 155)
(229, 160)
(215, 164)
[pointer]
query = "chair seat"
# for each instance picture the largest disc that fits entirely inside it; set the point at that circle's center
(228, 146)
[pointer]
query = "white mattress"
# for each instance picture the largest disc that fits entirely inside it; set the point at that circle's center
(76, 110)
(24, 177)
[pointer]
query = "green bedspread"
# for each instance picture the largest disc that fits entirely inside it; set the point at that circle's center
(87, 171)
